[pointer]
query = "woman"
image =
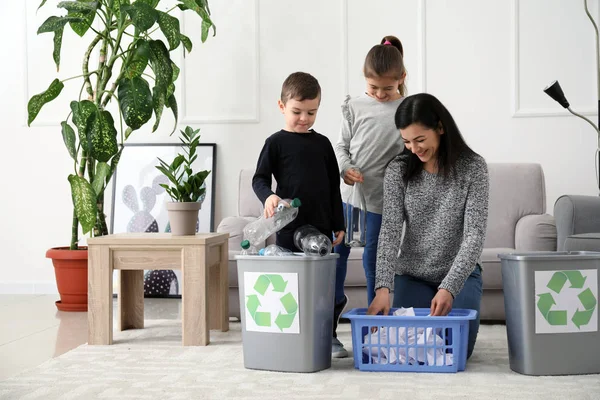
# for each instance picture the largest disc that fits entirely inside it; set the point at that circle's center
(438, 187)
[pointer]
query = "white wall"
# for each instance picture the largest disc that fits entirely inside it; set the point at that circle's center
(488, 61)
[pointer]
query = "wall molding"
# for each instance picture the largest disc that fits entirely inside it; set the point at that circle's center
(421, 50)
(515, 104)
(206, 119)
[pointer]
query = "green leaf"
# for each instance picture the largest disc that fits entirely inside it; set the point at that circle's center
(113, 164)
(205, 27)
(159, 99)
(84, 201)
(116, 8)
(151, 3)
(135, 99)
(87, 18)
(81, 6)
(68, 135)
(172, 104)
(142, 15)
(160, 61)
(170, 28)
(103, 137)
(37, 101)
(84, 113)
(187, 43)
(58, 35)
(176, 71)
(52, 24)
(102, 171)
(41, 4)
(139, 60)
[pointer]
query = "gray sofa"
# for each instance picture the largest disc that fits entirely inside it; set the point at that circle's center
(517, 222)
(577, 223)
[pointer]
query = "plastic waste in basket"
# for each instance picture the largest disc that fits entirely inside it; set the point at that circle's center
(286, 308)
(551, 302)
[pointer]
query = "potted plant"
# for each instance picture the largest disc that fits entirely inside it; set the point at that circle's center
(186, 186)
(133, 80)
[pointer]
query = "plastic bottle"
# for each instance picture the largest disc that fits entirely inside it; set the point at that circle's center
(274, 250)
(356, 217)
(247, 250)
(258, 231)
(311, 241)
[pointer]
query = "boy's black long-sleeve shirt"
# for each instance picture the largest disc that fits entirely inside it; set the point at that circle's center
(304, 166)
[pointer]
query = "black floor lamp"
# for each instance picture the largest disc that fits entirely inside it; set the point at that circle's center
(555, 91)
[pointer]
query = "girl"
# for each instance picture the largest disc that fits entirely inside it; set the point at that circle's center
(367, 143)
(439, 189)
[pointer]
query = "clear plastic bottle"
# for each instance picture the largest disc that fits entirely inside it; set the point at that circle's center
(247, 249)
(311, 241)
(274, 250)
(356, 217)
(258, 231)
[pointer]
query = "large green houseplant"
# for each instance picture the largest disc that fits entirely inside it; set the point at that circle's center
(135, 71)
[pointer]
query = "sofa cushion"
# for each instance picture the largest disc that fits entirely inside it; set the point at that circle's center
(492, 270)
(583, 242)
(248, 204)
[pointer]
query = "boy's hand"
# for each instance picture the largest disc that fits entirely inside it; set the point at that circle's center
(339, 236)
(270, 205)
(352, 176)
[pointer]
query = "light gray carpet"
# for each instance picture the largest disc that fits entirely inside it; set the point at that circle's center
(152, 364)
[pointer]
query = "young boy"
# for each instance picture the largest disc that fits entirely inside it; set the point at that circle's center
(304, 165)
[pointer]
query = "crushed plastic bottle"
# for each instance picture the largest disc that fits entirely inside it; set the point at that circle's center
(356, 217)
(274, 250)
(258, 231)
(311, 241)
(247, 249)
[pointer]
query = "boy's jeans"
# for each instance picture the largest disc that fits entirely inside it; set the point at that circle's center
(413, 292)
(369, 259)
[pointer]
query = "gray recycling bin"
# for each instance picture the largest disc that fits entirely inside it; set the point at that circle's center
(286, 307)
(551, 301)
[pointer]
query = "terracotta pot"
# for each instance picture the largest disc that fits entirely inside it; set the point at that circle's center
(71, 271)
(183, 217)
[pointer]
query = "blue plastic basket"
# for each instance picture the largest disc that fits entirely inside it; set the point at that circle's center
(449, 344)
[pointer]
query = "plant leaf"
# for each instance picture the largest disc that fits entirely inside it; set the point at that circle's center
(159, 99)
(102, 171)
(52, 24)
(37, 101)
(135, 99)
(84, 201)
(87, 18)
(103, 137)
(139, 60)
(205, 27)
(172, 104)
(42, 4)
(81, 5)
(68, 135)
(170, 28)
(187, 43)
(151, 3)
(116, 8)
(176, 71)
(58, 35)
(160, 61)
(142, 15)
(84, 113)
(113, 164)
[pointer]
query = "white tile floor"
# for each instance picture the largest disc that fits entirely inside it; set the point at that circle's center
(34, 331)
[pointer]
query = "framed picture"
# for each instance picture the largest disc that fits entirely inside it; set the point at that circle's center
(138, 201)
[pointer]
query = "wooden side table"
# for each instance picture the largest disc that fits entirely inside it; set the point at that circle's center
(202, 259)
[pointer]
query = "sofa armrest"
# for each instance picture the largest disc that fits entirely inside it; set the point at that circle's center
(536, 233)
(235, 227)
(575, 215)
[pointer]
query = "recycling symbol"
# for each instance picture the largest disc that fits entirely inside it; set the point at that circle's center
(584, 312)
(264, 318)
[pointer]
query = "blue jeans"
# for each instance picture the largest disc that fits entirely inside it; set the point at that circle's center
(413, 292)
(369, 259)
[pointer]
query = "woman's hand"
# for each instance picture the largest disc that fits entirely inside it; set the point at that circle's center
(351, 176)
(339, 236)
(441, 304)
(270, 205)
(380, 303)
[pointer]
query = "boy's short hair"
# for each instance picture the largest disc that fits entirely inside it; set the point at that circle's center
(300, 86)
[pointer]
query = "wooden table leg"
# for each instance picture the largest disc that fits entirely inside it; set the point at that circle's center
(219, 290)
(99, 295)
(195, 296)
(131, 300)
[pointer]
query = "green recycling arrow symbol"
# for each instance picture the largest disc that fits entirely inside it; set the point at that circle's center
(556, 284)
(263, 318)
